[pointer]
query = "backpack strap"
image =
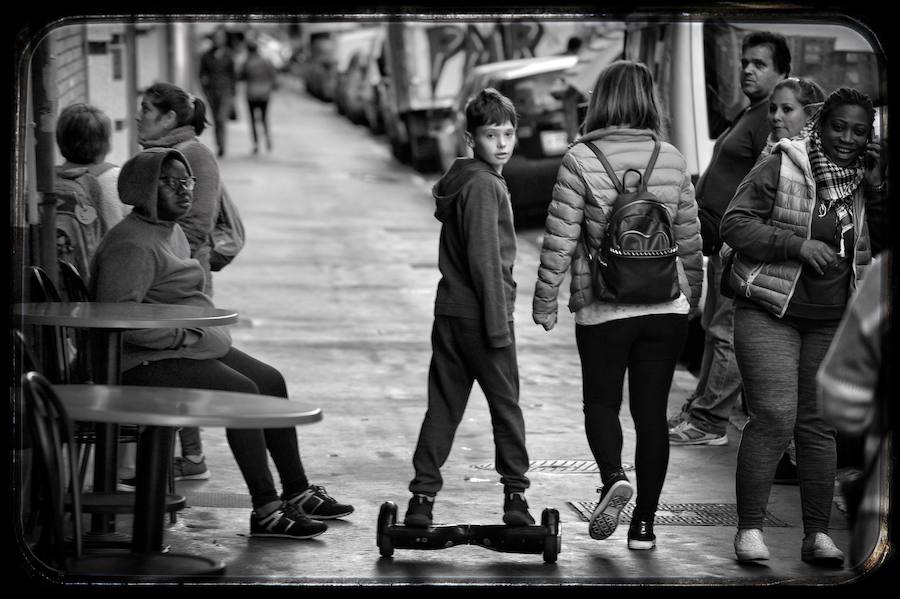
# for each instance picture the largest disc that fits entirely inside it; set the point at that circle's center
(653, 156)
(620, 186)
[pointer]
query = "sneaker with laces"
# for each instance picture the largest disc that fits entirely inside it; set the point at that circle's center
(688, 434)
(818, 548)
(614, 496)
(682, 414)
(515, 509)
(186, 469)
(319, 505)
(640, 534)
(749, 545)
(287, 523)
(418, 512)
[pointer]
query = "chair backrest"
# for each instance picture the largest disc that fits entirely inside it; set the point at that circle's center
(41, 287)
(56, 461)
(53, 348)
(75, 290)
(72, 282)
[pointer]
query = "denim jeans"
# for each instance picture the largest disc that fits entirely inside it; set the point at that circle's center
(460, 356)
(189, 437)
(647, 347)
(719, 383)
(779, 359)
(237, 371)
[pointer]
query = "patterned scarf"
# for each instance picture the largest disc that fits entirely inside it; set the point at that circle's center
(835, 184)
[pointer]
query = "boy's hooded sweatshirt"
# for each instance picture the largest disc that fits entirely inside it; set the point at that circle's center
(477, 248)
(145, 259)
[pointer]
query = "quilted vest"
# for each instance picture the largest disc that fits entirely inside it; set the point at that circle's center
(772, 284)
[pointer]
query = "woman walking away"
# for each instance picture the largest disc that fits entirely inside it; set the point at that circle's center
(262, 79)
(146, 258)
(623, 121)
(799, 226)
(170, 117)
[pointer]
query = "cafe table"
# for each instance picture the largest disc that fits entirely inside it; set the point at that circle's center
(159, 410)
(108, 322)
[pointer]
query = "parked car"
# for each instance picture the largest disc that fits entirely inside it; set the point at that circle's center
(541, 137)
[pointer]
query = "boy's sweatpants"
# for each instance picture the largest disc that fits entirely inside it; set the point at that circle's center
(460, 356)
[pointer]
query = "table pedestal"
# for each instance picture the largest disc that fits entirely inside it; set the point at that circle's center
(106, 351)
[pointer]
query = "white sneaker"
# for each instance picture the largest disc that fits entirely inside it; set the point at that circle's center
(818, 548)
(749, 545)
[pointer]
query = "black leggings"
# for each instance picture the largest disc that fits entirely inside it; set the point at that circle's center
(237, 371)
(261, 107)
(648, 347)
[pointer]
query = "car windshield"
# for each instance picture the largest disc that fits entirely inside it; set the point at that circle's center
(531, 95)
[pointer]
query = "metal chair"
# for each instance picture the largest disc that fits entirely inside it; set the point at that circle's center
(54, 444)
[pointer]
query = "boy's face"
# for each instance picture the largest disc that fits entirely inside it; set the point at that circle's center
(493, 143)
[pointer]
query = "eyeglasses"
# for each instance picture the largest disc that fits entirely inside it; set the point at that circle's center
(179, 184)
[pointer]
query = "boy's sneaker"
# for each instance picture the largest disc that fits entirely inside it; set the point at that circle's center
(640, 534)
(186, 469)
(614, 496)
(316, 503)
(688, 434)
(418, 512)
(126, 484)
(287, 523)
(515, 509)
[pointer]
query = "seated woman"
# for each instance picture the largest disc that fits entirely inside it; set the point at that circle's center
(146, 258)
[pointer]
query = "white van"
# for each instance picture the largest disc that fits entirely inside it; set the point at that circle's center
(701, 101)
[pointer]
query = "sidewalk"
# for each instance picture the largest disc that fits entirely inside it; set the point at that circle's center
(335, 288)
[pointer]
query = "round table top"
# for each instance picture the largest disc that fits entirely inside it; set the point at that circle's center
(121, 315)
(176, 406)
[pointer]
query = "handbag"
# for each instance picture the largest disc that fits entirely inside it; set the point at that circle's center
(227, 237)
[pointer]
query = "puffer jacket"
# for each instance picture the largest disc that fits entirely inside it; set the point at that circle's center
(772, 284)
(583, 197)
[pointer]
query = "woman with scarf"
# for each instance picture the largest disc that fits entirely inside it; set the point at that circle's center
(799, 225)
(170, 117)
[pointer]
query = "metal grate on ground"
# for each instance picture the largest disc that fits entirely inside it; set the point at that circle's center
(682, 514)
(558, 466)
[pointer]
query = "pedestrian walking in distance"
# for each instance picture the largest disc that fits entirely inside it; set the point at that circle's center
(646, 339)
(261, 80)
(473, 337)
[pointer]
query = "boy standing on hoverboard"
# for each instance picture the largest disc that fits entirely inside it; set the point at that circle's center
(472, 337)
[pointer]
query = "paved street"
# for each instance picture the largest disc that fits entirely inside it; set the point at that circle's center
(335, 287)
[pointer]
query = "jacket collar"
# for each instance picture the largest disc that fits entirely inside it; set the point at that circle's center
(616, 134)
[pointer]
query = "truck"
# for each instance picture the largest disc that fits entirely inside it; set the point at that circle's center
(426, 62)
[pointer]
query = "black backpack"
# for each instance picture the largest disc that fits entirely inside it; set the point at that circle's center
(637, 260)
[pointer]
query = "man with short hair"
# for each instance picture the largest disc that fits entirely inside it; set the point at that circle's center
(765, 60)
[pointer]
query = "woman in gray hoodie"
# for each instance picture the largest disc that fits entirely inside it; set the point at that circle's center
(147, 258)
